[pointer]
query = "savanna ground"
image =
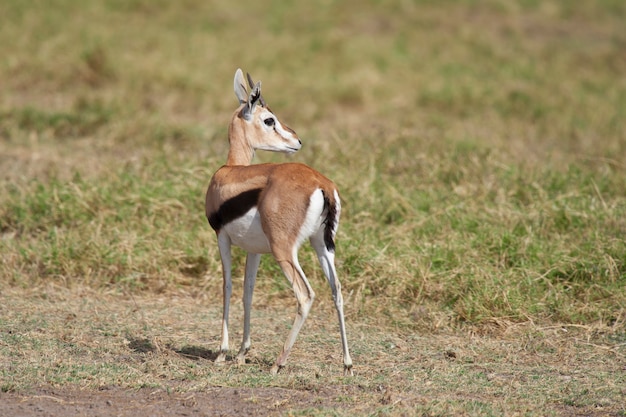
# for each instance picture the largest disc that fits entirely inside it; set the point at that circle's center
(480, 148)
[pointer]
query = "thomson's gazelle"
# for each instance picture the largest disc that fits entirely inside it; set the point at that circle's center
(271, 208)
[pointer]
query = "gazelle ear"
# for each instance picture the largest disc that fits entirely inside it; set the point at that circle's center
(253, 100)
(240, 86)
(255, 95)
(251, 84)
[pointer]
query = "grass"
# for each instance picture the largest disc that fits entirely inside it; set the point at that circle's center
(93, 340)
(478, 147)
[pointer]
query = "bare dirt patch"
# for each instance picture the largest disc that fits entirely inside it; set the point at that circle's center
(222, 401)
(158, 402)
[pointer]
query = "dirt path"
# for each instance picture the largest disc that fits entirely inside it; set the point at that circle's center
(158, 402)
(216, 401)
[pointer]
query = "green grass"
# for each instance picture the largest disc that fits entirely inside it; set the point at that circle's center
(478, 146)
(480, 164)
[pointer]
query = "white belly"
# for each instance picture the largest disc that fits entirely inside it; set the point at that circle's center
(247, 233)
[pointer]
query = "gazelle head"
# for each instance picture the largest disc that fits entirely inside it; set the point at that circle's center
(255, 123)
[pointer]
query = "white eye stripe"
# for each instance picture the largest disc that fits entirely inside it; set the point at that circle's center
(282, 132)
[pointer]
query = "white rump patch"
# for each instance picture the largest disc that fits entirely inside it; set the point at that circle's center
(313, 218)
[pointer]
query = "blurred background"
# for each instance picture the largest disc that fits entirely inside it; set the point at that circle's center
(479, 147)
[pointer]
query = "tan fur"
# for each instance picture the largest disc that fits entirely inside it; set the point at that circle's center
(282, 202)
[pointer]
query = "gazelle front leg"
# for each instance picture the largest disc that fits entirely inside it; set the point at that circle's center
(224, 243)
(252, 266)
(305, 295)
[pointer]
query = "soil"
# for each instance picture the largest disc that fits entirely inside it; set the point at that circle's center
(218, 401)
(47, 402)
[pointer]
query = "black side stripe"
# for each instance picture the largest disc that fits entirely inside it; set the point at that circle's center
(329, 224)
(234, 208)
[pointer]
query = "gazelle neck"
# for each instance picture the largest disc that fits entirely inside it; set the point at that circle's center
(240, 152)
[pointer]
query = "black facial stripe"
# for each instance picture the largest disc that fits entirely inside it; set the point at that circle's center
(234, 208)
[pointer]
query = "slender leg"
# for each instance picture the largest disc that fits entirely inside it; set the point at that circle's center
(327, 261)
(223, 242)
(305, 295)
(252, 266)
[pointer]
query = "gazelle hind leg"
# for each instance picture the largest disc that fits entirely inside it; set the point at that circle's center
(327, 261)
(304, 295)
(223, 242)
(252, 266)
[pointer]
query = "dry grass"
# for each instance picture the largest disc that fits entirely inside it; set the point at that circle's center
(92, 340)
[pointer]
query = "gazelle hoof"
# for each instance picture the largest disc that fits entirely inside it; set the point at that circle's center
(275, 369)
(347, 371)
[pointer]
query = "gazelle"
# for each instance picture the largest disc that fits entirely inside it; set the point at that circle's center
(271, 208)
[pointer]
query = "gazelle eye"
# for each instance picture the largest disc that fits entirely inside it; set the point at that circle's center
(269, 121)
